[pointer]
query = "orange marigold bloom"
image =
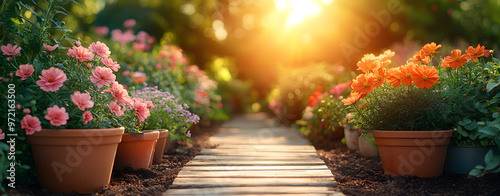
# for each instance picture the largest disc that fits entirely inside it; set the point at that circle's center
(420, 58)
(363, 84)
(380, 76)
(406, 71)
(368, 63)
(430, 49)
(353, 98)
(394, 76)
(444, 64)
(456, 60)
(385, 58)
(474, 53)
(424, 76)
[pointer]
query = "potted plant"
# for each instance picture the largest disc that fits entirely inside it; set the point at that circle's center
(404, 108)
(476, 132)
(66, 119)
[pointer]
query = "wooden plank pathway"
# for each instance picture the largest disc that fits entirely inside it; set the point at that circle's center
(255, 157)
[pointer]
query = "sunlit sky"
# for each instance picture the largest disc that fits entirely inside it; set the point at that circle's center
(299, 9)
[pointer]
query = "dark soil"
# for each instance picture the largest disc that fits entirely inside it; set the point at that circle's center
(151, 181)
(359, 175)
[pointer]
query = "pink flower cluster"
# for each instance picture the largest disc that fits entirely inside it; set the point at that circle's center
(141, 109)
(80, 53)
(100, 49)
(122, 38)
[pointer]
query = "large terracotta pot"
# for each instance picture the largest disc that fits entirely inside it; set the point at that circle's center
(136, 150)
(78, 160)
(462, 159)
(351, 138)
(416, 153)
(160, 145)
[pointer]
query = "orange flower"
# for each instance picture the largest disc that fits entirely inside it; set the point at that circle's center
(394, 77)
(385, 58)
(420, 58)
(380, 76)
(474, 53)
(456, 60)
(368, 63)
(444, 64)
(430, 49)
(363, 84)
(424, 76)
(353, 98)
(406, 71)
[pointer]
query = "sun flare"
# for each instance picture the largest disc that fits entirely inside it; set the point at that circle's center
(299, 10)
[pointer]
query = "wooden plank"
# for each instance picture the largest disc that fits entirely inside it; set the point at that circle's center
(254, 168)
(252, 150)
(185, 182)
(255, 174)
(271, 190)
(225, 157)
(256, 146)
(198, 162)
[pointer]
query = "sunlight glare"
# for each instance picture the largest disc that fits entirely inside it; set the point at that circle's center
(301, 9)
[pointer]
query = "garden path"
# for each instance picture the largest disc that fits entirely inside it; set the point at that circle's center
(255, 157)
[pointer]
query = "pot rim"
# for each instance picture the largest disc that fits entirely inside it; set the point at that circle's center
(78, 132)
(412, 134)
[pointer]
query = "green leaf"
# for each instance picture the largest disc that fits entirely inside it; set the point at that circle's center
(488, 131)
(491, 85)
(471, 126)
(496, 114)
(475, 172)
(495, 60)
(31, 10)
(464, 122)
(488, 157)
(493, 164)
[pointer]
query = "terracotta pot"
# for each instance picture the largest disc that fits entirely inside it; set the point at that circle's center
(416, 153)
(136, 150)
(336, 134)
(462, 159)
(351, 138)
(160, 145)
(366, 146)
(170, 146)
(78, 160)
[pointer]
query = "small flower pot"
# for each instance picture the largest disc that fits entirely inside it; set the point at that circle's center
(79, 160)
(160, 145)
(415, 153)
(366, 146)
(462, 159)
(136, 150)
(170, 146)
(351, 138)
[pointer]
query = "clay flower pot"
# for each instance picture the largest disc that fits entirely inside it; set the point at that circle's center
(160, 145)
(366, 146)
(351, 138)
(136, 150)
(78, 160)
(416, 153)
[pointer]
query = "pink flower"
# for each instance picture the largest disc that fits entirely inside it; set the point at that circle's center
(10, 50)
(122, 38)
(80, 53)
(31, 124)
(25, 71)
(150, 104)
(49, 48)
(57, 115)
(2, 135)
(102, 76)
(142, 36)
(126, 73)
(87, 117)
(129, 23)
(26, 111)
(82, 100)
(51, 80)
(115, 108)
(100, 49)
(103, 31)
(111, 64)
(141, 110)
(120, 94)
(138, 46)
